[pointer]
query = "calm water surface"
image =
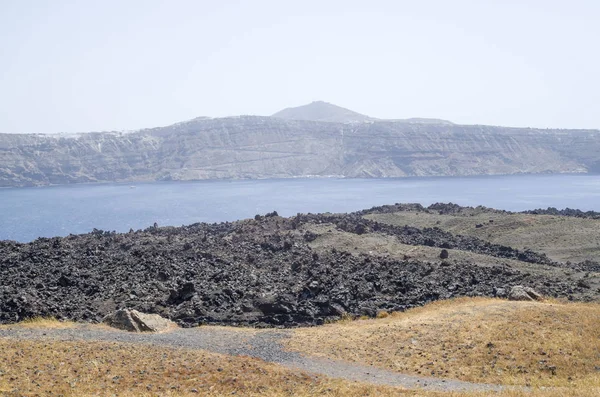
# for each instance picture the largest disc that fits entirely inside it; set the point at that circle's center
(28, 213)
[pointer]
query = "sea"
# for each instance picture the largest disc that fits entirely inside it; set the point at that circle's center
(29, 213)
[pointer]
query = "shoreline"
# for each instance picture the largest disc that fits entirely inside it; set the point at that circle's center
(306, 177)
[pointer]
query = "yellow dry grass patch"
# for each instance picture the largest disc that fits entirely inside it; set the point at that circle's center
(69, 369)
(478, 340)
(543, 392)
(342, 389)
(41, 322)
(36, 368)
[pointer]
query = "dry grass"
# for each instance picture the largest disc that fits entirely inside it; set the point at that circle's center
(342, 389)
(69, 369)
(41, 322)
(479, 340)
(561, 238)
(537, 392)
(32, 368)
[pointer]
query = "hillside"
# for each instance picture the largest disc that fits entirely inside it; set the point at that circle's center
(476, 340)
(302, 270)
(509, 349)
(322, 111)
(276, 147)
(398, 296)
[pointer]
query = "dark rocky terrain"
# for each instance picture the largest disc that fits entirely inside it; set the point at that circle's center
(259, 272)
(452, 209)
(316, 140)
(566, 235)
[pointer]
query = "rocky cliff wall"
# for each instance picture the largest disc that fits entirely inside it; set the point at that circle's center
(267, 147)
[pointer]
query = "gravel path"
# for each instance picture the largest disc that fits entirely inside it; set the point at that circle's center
(263, 344)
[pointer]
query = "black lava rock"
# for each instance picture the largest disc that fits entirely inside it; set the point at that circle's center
(258, 272)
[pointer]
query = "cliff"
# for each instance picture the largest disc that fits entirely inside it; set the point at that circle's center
(274, 147)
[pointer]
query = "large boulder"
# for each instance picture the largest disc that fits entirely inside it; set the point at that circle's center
(521, 293)
(134, 321)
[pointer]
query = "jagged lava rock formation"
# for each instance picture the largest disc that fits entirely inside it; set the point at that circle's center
(260, 272)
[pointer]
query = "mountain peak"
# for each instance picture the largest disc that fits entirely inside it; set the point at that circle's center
(322, 111)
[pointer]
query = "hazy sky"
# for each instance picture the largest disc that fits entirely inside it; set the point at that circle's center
(103, 65)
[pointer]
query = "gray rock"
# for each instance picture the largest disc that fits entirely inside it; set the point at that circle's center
(134, 321)
(500, 292)
(521, 293)
(215, 150)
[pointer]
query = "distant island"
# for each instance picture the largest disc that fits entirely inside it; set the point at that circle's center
(315, 140)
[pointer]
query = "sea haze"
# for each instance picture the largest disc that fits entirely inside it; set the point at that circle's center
(29, 213)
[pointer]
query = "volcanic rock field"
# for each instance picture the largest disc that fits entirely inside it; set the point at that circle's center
(268, 271)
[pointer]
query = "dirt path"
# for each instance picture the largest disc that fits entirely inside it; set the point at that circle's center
(263, 344)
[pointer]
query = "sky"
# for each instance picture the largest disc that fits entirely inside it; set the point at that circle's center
(82, 65)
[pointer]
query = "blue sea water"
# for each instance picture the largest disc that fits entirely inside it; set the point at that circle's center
(29, 213)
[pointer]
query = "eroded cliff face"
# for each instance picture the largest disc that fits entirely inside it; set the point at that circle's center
(268, 147)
